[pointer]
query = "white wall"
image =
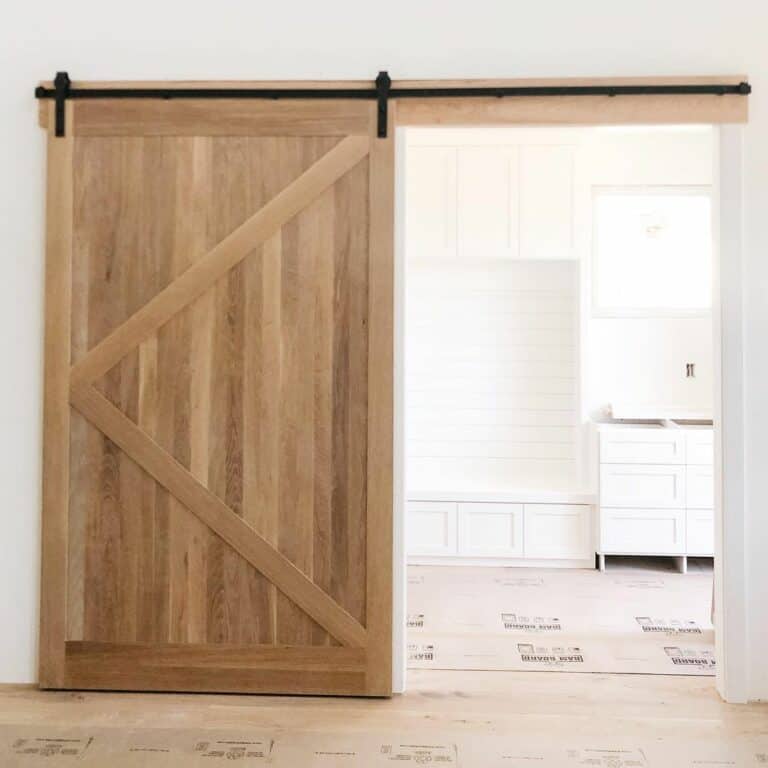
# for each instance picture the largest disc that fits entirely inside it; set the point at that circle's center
(640, 360)
(241, 39)
(640, 363)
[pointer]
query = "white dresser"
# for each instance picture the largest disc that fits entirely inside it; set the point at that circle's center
(656, 491)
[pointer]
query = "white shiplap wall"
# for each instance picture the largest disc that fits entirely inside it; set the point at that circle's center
(491, 375)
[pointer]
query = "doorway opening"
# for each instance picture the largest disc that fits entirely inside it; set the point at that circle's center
(557, 379)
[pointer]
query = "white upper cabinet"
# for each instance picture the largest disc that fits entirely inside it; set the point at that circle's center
(488, 203)
(430, 217)
(499, 201)
(546, 202)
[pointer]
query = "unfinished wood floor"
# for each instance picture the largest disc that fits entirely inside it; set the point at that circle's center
(470, 719)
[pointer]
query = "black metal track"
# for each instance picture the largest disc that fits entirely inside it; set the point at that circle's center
(382, 92)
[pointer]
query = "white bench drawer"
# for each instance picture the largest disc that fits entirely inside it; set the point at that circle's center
(642, 531)
(431, 528)
(700, 532)
(642, 446)
(699, 447)
(700, 487)
(558, 531)
(491, 530)
(642, 485)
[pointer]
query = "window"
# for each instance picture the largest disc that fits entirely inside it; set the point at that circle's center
(652, 251)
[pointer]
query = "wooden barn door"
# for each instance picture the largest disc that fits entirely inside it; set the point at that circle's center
(218, 398)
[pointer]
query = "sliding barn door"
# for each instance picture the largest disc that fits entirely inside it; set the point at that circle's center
(218, 398)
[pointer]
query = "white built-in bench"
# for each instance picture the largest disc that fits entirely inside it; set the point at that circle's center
(524, 528)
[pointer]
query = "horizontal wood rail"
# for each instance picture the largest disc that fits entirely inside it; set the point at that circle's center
(383, 91)
(213, 667)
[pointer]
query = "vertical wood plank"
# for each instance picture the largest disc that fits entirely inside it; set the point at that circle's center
(262, 378)
(318, 233)
(229, 577)
(188, 537)
(351, 391)
(158, 263)
(100, 247)
(56, 411)
(296, 449)
(380, 412)
(85, 441)
(197, 534)
(146, 502)
(296, 504)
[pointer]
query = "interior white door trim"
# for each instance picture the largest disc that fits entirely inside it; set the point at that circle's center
(728, 331)
(730, 577)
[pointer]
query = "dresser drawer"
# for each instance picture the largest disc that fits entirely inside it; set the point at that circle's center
(700, 487)
(431, 528)
(699, 447)
(491, 530)
(642, 485)
(562, 531)
(700, 532)
(642, 446)
(642, 531)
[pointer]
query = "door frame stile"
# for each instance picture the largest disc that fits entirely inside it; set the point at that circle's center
(56, 409)
(379, 503)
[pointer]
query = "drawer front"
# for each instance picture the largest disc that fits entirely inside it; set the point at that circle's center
(642, 531)
(562, 531)
(431, 528)
(700, 532)
(699, 447)
(642, 446)
(700, 487)
(639, 485)
(491, 530)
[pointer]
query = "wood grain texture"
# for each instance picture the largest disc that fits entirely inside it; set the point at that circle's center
(381, 412)
(228, 117)
(573, 81)
(230, 251)
(262, 378)
(217, 516)
(219, 452)
(200, 667)
(574, 110)
(58, 265)
(491, 717)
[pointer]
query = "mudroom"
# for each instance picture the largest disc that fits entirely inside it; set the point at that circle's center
(558, 396)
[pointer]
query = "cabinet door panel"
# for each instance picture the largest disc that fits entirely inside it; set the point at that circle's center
(558, 531)
(642, 531)
(700, 487)
(546, 202)
(431, 528)
(642, 446)
(487, 202)
(642, 485)
(700, 532)
(700, 445)
(494, 530)
(431, 210)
